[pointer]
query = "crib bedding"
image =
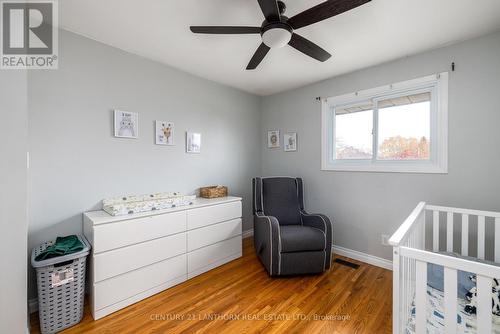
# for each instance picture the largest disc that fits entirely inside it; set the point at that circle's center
(435, 278)
(435, 274)
(466, 323)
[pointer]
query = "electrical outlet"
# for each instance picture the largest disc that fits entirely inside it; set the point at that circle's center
(385, 239)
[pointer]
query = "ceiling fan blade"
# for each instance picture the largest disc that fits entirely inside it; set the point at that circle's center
(309, 48)
(270, 10)
(224, 30)
(261, 52)
(323, 11)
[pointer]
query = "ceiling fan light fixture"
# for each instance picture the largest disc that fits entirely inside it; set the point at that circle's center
(277, 30)
(276, 37)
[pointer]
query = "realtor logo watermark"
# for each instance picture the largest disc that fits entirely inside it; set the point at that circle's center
(29, 34)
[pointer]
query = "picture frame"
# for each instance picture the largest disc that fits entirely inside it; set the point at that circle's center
(164, 133)
(273, 139)
(126, 124)
(193, 142)
(290, 141)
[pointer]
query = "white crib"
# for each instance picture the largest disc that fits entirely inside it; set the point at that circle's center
(411, 257)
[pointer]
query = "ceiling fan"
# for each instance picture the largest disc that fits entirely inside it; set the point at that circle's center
(277, 30)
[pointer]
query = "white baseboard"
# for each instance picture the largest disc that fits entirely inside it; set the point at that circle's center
(247, 233)
(363, 257)
(360, 256)
(33, 305)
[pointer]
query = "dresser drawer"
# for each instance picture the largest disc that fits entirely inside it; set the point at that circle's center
(206, 256)
(211, 234)
(128, 232)
(121, 287)
(122, 260)
(213, 214)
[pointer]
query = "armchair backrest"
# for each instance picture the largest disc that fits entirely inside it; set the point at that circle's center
(281, 197)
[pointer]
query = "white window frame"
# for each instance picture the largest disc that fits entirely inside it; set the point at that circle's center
(437, 84)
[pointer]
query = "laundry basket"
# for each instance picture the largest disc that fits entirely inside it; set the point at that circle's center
(61, 287)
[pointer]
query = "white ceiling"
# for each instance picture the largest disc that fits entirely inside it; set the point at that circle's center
(374, 33)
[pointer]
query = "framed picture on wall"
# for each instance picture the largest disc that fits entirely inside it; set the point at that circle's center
(273, 138)
(164, 134)
(290, 141)
(193, 142)
(126, 124)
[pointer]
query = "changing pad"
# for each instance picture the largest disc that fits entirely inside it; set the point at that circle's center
(118, 206)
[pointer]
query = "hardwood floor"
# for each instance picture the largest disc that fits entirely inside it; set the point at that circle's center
(240, 297)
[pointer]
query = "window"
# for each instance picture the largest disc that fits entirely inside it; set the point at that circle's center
(397, 128)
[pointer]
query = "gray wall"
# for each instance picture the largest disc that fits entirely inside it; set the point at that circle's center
(76, 161)
(13, 201)
(365, 205)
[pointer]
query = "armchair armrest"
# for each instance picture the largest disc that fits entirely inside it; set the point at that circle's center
(267, 242)
(322, 223)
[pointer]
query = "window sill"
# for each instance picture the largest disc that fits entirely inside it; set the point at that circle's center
(386, 168)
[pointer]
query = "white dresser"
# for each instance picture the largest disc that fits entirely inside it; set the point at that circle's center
(136, 256)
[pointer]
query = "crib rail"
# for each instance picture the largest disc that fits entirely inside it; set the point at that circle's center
(410, 234)
(465, 227)
(405, 231)
(410, 259)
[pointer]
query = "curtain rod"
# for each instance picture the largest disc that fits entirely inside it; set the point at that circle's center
(319, 98)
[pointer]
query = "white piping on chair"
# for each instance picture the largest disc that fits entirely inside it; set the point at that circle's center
(271, 228)
(270, 240)
(297, 186)
(279, 245)
(275, 177)
(261, 196)
(324, 234)
(255, 196)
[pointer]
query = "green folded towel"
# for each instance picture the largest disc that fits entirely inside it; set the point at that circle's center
(63, 246)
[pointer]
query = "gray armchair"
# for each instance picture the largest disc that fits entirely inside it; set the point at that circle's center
(287, 239)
